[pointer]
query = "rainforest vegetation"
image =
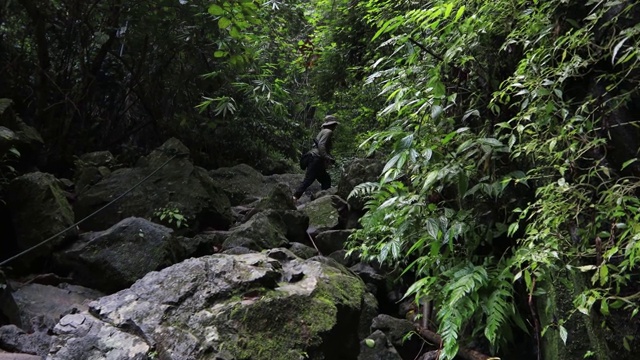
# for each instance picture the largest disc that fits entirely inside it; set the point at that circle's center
(509, 198)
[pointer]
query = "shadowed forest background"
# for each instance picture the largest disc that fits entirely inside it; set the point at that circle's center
(508, 129)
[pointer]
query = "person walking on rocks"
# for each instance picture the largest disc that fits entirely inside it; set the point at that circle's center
(322, 159)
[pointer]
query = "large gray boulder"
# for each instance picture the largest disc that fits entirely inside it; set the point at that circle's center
(324, 213)
(268, 229)
(36, 198)
(17, 340)
(178, 185)
(265, 230)
(40, 308)
(377, 347)
(92, 167)
(332, 240)
(245, 185)
(113, 259)
(241, 183)
(259, 306)
(397, 332)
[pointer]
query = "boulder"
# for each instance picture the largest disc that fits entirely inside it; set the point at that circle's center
(42, 306)
(179, 185)
(89, 338)
(302, 251)
(261, 232)
(280, 197)
(35, 344)
(37, 198)
(368, 274)
(332, 240)
(296, 222)
(259, 306)
(344, 257)
(92, 167)
(114, 259)
(245, 185)
(205, 243)
(324, 213)
(370, 309)
(292, 181)
(241, 183)
(396, 331)
(269, 229)
(377, 347)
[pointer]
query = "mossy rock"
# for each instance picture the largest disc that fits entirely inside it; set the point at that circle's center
(260, 306)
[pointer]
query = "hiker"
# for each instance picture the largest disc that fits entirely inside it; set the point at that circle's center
(321, 160)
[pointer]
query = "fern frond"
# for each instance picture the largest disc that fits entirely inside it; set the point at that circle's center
(498, 310)
(364, 189)
(461, 301)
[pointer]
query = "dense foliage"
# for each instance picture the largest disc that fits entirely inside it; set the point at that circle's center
(124, 76)
(512, 153)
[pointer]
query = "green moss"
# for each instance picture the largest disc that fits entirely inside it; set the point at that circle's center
(583, 333)
(343, 288)
(280, 326)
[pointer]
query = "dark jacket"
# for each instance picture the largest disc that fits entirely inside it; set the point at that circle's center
(323, 144)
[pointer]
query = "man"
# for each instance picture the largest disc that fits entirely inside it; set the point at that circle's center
(317, 168)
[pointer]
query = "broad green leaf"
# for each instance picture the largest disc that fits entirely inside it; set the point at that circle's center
(216, 10)
(490, 141)
(604, 307)
(234, 32)
(224, 23)
(463, 183)
(604, 274)
(563, 334)
(432, 228)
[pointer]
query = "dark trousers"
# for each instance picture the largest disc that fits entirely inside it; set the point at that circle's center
(315, 171)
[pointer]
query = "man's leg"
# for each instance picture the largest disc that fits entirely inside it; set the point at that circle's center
(309, 176)
(324, 178)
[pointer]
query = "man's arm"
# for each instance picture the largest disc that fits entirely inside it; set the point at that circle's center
(323, 143)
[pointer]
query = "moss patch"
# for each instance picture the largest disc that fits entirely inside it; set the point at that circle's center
(281, 326)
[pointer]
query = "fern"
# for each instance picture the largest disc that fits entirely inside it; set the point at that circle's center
(498, 310)
(498, 306)
(364, 190)
(459, 303)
